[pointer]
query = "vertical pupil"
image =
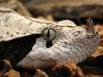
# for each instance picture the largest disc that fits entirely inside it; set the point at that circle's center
(48, 34)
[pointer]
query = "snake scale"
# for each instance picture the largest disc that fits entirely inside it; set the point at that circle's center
(68, 41)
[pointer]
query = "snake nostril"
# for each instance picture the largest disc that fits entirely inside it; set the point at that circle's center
(90, 36)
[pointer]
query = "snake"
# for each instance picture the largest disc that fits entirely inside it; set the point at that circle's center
(32, 42)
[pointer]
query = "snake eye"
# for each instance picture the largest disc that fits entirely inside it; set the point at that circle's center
(49, 34)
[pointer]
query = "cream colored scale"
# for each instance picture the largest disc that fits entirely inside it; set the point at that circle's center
(71, 41)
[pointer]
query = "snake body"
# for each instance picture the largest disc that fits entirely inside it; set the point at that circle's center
(71, 42)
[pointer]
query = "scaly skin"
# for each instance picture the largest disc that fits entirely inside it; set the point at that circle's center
(72, 42)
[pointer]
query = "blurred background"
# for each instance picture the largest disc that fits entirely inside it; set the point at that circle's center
(76, 10)
(56, 10)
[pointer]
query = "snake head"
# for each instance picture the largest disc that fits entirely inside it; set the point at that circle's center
(78, 41)
(68, 39)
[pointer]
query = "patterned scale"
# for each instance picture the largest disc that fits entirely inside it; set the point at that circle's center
(28, 38)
